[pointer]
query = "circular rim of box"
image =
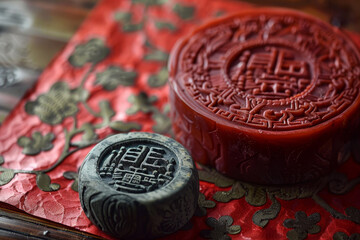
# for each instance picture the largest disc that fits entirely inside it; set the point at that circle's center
(185, 180)
(282, 135)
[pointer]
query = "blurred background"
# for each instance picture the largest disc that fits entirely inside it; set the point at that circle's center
(32, 32)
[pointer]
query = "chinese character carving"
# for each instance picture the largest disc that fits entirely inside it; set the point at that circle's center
(138, 169)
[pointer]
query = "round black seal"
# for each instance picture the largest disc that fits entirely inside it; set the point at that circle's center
(138, 185)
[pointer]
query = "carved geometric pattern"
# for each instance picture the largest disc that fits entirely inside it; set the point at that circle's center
(277, 72)
(138, 169)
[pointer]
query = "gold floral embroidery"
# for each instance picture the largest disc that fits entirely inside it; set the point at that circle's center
(54, 106)
(141, 103)
(93, 51)
(36, 143)
(61, 102)
(114, 76)
(302, 225)
(221, 228)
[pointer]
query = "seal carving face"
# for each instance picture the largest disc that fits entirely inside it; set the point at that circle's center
(269, 72)
(136, 167)
(274, 72)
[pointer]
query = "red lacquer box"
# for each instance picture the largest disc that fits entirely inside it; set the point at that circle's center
(269, 96)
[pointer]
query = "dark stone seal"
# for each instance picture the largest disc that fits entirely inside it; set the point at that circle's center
(138, 185)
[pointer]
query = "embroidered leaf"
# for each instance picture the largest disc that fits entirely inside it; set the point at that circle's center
(236, 192)
(203, 203)
(2, 160)
(234, 229)
(89, 132)
(123, 16)
(165, 25)
(114, 76)
(212, 176)
(256, 196)
(75, 185)
(36, 144)
(6, 176)
(184, 12)
(219, 13)
(150, 2)
(43, 181)
(159, 79)
(93, 51)
(72, 176)
(157, 55)
(141, 102)
(132, 27)
(88, 135)
(80, 94)
(262, 217)
(354, 214)
(124, 126)
(148, 44)
(54, 106)
(163, 122)
(106, 111)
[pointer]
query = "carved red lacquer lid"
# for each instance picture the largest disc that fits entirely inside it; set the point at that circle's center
(272, 70)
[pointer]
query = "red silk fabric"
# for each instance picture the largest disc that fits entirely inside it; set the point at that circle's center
(128, 50)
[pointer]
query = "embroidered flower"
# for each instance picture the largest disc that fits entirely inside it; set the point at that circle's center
(114, 76)
(141, 103)
(344, 236)
(93, 51)
(36, 143)
(54, 106)
(221, 228)
(302, 225)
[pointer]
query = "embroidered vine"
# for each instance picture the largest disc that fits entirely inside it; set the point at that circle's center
(62, 102)
(128, 24)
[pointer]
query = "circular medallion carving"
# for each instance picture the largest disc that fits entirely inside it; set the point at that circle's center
(268, 70)
(273, 72)
(268, 96)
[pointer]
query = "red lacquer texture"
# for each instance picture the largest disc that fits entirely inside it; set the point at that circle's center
(132, 42)
(268, 96)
